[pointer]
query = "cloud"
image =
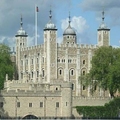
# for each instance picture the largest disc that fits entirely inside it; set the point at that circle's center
(111, 7)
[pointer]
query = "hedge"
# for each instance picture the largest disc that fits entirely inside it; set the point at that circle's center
(109, 110)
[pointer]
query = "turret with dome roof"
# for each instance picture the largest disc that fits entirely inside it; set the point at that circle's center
(21, 31)
(69, 35)
(50, 25)
(69, 30)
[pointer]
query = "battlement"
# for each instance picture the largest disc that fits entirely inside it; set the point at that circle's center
(33, 47)
(77, 45)
(30, 93)
(87, 46)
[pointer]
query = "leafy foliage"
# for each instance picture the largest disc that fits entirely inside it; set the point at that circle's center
(106, 69)
(6, 66)
(109, 110)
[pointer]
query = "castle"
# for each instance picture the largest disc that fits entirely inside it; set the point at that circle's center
(48, 74)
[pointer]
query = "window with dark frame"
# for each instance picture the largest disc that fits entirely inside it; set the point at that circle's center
(41, 104)
(18, 104)
(57, 104)
(30, 104)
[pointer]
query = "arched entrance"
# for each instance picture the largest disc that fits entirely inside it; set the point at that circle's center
(30, 117)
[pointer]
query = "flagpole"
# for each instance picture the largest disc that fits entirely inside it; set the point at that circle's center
(36, 25)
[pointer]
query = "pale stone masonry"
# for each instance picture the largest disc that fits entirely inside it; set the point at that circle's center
(41, 100)
(48, 74)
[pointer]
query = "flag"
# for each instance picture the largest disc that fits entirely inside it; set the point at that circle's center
(37, 10)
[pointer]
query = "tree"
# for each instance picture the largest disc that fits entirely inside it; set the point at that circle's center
(106, 68)
(6, 66)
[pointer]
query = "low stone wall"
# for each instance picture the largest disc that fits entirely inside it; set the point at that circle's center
(90, 101)
(87, 101)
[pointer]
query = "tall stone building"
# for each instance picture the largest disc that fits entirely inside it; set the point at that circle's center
(48, 82)
(51, 61)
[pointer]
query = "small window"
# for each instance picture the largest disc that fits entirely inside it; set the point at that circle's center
(66, 103)
(18, 104)
(30, 104)
(60, 72)
(72, 72)
(43, 73)
(58, 60)
(72, 86)
(41, 104)
(1, 104)
(37, 73)
(95, 87)
(83, 72)
(83, 87)
(56, 88)
(57, 104)
(32, 74)
(83, 61)
(67, 36)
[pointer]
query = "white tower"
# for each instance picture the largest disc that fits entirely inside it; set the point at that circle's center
(103, 34)
(21, 42)
(50, 51)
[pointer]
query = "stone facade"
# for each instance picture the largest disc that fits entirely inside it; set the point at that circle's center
(48, 74)
(51, 61)
(40, 100)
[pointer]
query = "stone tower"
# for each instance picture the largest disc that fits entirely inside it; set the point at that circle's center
(21, 42)
(103, 34)
(50, 51)
(69, 35)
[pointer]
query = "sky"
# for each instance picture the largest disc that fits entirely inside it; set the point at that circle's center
(86, 17)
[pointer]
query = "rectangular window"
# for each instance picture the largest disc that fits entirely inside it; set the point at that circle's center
(37, 60)
(57, 104)
(18, 104)
(32, 61)
(66, 103)
(30, 104)
(41, 104)
(1, 104)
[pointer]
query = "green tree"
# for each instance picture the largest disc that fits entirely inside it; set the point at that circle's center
(106, 69)
(6, 66)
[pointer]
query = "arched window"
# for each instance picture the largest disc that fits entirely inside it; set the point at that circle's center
(60, 72)
(83, 87)
(83, 72)
(32, 74)
(37, 73)
(83, 61)
(72, 72)
(43, 73)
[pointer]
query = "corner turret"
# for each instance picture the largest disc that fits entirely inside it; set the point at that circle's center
(103, 34)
